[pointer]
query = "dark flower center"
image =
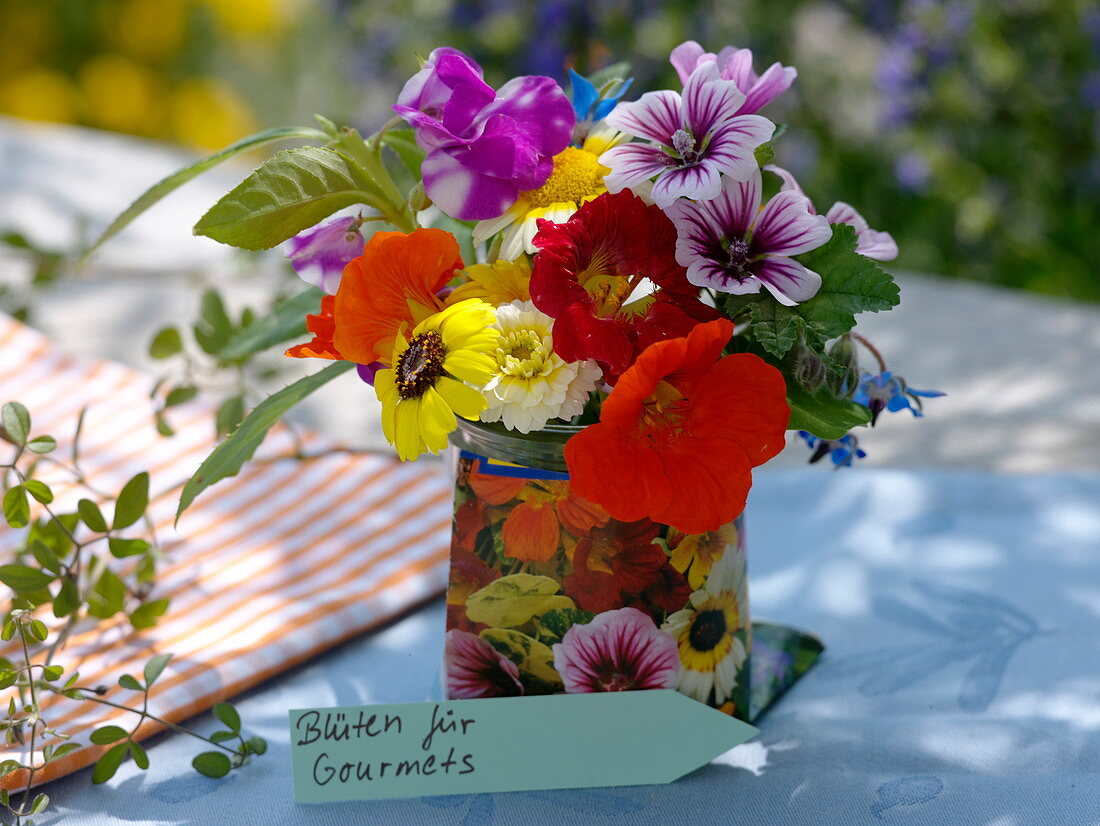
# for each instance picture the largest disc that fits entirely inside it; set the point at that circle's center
(738, 253)
(707, 629)
(684, 144)
(615, 681)
(421, 365)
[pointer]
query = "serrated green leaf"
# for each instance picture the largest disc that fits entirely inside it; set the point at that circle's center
(42, 444)
(141, 758)
(177, 179)
(823, 414)
(285, 322)
(39, 490)
(155, 667)
(212, 764)
(131, 502)
(17, 421)
(147, 614)
(228, 457)
(24, 579)
(108, 764)
(130, 682)
(291, 192)
(229, 716)
(166, 343)
(91, 515)
(108, 734)
(17, 509)
(850, 284)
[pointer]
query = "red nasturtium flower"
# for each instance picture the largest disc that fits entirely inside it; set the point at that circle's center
(618, 557)
(680, 433)
(393, 282)
(322, 325)
(587, 268)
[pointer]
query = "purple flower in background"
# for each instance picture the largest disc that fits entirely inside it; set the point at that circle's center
(889, 392)
(732, 245)
(484, 147)
(319, 255)
(736, 65)
(870, 242)
(476, 669)
(842, 451)
(367, 372)
(620, 650)
(695, 139)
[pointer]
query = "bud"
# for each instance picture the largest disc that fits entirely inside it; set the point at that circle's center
(418, 198)
(809, 370)
(845, 378)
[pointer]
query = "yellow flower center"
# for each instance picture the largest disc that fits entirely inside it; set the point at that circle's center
(577, 175)
(522, 354)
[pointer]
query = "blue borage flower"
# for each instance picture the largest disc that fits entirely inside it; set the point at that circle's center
(889, 392)
(842, 451)
(593, 104)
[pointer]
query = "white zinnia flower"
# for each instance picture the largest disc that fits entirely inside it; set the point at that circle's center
(532, 384)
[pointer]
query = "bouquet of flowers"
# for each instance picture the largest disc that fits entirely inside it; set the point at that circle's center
(633, 272)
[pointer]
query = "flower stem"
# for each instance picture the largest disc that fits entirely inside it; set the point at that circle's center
(872, 350)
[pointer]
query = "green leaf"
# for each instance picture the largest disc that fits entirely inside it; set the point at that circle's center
(180, 395)
(823, 414)
(108, 734)
(257, 744)
(9, 766)
(39, 490)
(850, 284)
(215, 327)
(285, 322)
(291, 192)
(163, 428)
(177, 179)
(230, 414)
(42, 444)
(108, 764)
(45, 556)
(132, 502)
(23, 579)
(67, 599)
(122, 548)
(155, 667)
(16, 508)
(141, 758)
(222, 736)
(53, 672)
(108, 596)
(553, 624)
(229, 716)
(512, 600)
(17, 421)
(91, 515)
(212, 764)
(40, 803)
(8, 679)
(63, 749)
(228, 457)
(130, 682)
(147, 614)
(403, 143)
(38, 630)
(166, 343)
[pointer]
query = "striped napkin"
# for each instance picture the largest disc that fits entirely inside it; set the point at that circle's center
(266, 570)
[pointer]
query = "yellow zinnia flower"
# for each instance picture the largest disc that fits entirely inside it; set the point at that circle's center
(424, 390)
(498, 283)
(577, 178)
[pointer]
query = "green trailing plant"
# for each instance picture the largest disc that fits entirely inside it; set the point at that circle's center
(72, 564)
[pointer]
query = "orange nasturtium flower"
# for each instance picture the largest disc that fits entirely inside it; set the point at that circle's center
(393, 283)
(322, 325)
(679, 435)
(532, 531)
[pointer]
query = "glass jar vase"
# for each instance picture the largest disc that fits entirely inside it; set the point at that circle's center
(549, 594)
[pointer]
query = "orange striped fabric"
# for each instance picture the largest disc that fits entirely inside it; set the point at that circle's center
(266, 570)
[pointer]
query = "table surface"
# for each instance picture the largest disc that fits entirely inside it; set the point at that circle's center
(961, 608)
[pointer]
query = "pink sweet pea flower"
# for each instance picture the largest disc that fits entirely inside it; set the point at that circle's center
(731, 245)
(620, 650)
(736, 65)
(476, 669)
(870, 242)
(695, 139)
(484, 146)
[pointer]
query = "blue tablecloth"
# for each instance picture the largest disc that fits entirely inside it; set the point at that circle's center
(961, 684)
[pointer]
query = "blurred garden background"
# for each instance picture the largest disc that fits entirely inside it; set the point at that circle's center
(967, 129)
